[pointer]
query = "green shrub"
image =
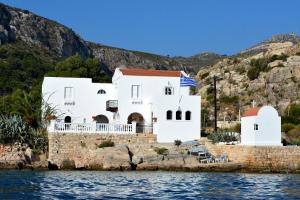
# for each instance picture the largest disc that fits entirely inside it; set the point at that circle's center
(217, 137)
(241, 70)
(161, 150)
(177, 142)
(257, 66)
(292, 114)
(210, 90)
(13, 129)
(298, 53)
(229, 99)
(287, 127)
(253, 73)
(203, 76)
(106, 143)
(210, 98)
(282, 57)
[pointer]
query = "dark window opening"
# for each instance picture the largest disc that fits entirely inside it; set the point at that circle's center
(101, 91)
(169, 91)
(178, 115)
(188, 115)
(255, 127)
(169, 115)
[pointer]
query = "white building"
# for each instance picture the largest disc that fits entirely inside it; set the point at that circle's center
(154, 100)
(261, 127)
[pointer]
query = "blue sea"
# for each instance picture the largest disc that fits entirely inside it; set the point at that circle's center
(146, 185)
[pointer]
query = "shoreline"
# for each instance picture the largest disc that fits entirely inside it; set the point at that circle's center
(150, 157)
(228, 167)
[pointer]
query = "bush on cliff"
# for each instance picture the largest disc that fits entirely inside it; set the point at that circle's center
(287, 127)
(13, 129)
(161, 150)
(177, 142)
(217, 137)
(106, 143)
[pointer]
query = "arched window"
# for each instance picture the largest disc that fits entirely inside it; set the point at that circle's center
(169, 115)
(101, 91)
(188, 115)
(178, 115)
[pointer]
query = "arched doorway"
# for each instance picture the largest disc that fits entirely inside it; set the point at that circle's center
(139, 119)
(68, 119)
(102, 119)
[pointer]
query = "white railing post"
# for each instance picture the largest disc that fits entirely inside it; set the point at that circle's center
(133, 127)
(51, 127)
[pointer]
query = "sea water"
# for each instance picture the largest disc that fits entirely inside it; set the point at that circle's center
(146, 185)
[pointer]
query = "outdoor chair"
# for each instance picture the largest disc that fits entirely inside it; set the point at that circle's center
(223, 158)
(209, 159)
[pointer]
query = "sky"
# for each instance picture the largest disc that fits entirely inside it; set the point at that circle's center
(172, 27)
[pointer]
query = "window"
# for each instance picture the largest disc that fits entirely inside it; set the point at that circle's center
(169, 91)
(68, 93)
(135, 91)
(169, 115)
(255, 127)
(101, 91)
(178, 115)
(188, 115)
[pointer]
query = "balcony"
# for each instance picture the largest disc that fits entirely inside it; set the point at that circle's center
(112, 105)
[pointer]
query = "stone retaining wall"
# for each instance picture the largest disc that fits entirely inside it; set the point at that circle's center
(70, 146)
(261, 158)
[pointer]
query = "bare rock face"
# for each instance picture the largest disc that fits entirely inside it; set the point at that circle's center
(17, 24)
(14, 156)
(108, 158)
(116, 158)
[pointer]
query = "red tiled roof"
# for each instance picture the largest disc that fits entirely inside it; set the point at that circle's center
(150, 72)
(251, 112)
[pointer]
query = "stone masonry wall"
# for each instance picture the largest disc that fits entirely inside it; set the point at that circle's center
(261, 158)
(80, 147)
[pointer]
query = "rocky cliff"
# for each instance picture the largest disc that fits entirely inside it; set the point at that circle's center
(268, 73)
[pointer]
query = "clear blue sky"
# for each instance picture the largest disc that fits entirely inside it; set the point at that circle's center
(172, 27)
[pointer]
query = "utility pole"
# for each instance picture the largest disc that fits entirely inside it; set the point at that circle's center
(215, 102)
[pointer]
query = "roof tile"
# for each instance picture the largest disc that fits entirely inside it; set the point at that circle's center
(149, 72)
(251, 112)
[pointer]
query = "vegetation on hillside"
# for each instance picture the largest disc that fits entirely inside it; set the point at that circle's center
(261, 65)
(291, 124)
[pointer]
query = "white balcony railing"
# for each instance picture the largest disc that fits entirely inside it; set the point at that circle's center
(92, 128)
(114, 128)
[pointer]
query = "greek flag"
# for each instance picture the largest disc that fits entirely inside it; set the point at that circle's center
(187, 81)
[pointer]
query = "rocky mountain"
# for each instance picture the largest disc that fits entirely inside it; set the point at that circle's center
(17, 24)
(268, 73)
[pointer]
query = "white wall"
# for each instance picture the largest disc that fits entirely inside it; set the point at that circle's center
(269, 128)
(87, 102)
(247, 130)
(153, 99)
